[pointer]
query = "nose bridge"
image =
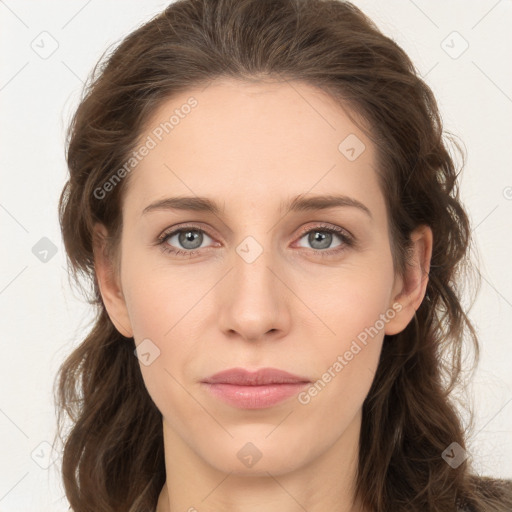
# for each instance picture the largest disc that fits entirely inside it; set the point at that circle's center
(251, 265)
(251, 302)
(254, 280)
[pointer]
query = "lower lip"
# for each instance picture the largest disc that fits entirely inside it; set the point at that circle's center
(254, 397)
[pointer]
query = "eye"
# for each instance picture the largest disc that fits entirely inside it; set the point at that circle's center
(186, 240)
(189, 238)
(321, 237)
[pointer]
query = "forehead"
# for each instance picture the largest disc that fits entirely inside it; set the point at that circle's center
(252, 143)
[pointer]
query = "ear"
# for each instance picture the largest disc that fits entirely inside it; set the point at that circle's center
(409, 289)
(108, 276)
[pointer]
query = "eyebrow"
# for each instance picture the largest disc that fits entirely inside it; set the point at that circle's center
(297, 204)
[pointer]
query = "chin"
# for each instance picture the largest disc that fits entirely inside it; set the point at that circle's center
(255, 454)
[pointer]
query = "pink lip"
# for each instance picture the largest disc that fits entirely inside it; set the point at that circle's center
(254, 390)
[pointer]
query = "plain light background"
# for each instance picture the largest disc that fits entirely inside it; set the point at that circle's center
(49, 48)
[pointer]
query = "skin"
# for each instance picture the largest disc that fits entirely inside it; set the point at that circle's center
(291, 308)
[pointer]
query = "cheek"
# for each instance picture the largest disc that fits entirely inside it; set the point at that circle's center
(155, 298)
(355, 311)
(158, 331)
(351, 304)
(161, 310)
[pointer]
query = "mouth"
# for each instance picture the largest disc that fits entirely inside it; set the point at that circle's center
(254, 390)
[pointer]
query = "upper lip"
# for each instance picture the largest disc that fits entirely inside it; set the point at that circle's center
(263, 376)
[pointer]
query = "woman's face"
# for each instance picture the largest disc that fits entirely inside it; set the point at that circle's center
(256, 283)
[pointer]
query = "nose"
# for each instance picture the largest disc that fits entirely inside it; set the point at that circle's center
(253, 299)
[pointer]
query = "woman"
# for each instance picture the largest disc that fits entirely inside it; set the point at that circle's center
(263, 200)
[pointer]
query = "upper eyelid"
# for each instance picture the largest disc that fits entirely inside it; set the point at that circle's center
(172, 231)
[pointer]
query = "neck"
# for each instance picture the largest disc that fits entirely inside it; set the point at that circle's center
(325, 483)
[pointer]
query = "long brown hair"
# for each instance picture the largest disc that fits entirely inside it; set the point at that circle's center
(113, 457)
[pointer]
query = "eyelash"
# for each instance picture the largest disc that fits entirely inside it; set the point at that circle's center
(346, 238)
